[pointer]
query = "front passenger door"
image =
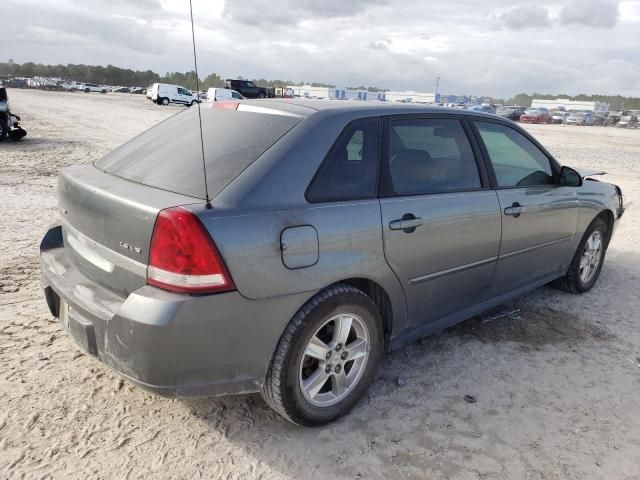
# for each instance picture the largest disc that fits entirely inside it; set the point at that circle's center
(539, 216)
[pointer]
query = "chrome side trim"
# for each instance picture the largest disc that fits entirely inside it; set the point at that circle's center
(566, 238)
(442, 273)
(79, 245)
(468, 266)
(99, 255)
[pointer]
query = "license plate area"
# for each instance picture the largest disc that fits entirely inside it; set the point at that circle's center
(78, 327)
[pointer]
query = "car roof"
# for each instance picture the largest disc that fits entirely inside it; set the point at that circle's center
(307, 107)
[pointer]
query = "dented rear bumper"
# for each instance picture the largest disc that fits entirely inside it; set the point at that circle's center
(170, 344)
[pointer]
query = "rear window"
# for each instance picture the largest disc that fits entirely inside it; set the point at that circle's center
(169, 156)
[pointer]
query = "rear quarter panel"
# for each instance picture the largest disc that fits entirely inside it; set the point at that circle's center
(349, 246)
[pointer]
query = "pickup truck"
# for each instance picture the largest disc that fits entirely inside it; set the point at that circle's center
(246, 88)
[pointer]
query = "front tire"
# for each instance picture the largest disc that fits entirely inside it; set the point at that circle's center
(326, 358)
(587, 262)
(4, 127)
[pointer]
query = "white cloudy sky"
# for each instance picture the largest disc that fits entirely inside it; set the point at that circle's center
(489, 47)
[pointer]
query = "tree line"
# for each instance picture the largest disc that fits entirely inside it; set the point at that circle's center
(112, 75)
(109, 75)
(116, 76)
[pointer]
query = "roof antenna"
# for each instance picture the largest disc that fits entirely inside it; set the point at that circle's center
(195, 63)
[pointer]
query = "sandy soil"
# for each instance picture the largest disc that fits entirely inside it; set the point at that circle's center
(557, 383)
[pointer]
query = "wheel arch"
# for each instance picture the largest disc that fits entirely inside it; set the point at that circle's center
(380, 298)
(608, 217)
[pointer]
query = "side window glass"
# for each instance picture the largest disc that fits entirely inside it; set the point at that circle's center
(350, 170)
(430, 156)
(516, 161)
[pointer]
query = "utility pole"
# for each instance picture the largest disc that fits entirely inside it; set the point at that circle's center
(437, 85)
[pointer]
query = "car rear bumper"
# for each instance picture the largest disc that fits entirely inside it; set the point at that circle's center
(170, 344)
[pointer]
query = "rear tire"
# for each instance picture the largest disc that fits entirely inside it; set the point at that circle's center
(262, 95)
(326, 358)
(164, 101)
(586, 264)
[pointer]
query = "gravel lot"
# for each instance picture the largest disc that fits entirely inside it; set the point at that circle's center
(557, 383)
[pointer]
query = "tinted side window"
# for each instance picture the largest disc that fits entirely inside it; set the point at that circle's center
(350, 170)
(430, 156)
(516, 161)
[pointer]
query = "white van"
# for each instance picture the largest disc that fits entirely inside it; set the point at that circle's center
(165, 93)
(217, 94)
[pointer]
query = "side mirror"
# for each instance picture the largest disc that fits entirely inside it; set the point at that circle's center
(570, 178)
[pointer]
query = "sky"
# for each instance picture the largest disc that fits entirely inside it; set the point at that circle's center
(491, 47)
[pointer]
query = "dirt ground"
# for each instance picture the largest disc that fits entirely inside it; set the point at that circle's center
(557, 383)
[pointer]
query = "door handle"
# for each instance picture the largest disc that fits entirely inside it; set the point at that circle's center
(408, 223)
(514, 210)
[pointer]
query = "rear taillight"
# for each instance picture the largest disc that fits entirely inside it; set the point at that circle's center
(183, 257)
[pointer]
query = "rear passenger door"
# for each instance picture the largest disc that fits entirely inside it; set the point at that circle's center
(440, 219)
(539, 216)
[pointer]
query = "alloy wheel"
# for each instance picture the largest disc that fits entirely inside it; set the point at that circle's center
(334, 360)
(591, 257)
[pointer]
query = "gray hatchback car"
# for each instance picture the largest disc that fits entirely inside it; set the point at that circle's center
(324, 233)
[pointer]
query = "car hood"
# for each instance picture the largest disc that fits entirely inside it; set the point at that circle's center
(587, 172)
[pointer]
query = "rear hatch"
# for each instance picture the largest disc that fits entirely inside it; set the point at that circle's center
(107, 223)
(169, 155)
(109, 210)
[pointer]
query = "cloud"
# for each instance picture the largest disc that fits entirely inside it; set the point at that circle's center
(288, 12)
(591, 13)
(526, 16)
(491, 47)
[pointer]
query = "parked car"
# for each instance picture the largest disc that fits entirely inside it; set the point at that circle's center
(138, 90)
(217, 94)
(512, 113)
(627, 121)
(600, 118)
(536, 115)
(121, 90)
(485, 107)
(290, 277)
(92, 87)
(613, 118)
(246, 88)
(559, 116)
(166, 93)
(580, 118)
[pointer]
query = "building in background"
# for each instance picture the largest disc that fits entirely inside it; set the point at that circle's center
(567, 104)
(410, 96)
(342, 93)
